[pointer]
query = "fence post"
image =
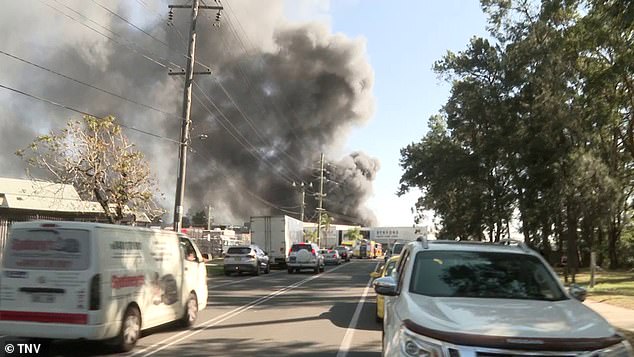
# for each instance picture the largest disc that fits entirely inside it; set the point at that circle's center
(593, 263)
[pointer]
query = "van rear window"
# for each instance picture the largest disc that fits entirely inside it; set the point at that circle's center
(48, 249)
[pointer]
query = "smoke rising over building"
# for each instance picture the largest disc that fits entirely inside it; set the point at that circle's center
(279, 94)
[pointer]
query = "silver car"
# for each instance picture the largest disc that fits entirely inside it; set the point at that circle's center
(448, 298)
(331, 256)
(249, 258)
(305, 256)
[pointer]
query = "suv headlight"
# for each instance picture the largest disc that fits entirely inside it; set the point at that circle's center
(415, 345)
(622, 349)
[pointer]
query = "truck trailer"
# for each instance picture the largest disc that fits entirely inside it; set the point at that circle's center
(275, 235)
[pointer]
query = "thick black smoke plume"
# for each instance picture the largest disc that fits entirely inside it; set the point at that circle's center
(294, 90)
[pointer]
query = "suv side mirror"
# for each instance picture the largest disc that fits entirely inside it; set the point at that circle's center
(385, 286)
(578, 292)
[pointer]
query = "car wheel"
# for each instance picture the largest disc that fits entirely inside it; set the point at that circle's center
(191, 311)
(316, 269)
(268, 268)
(257, 269)
(130, 329)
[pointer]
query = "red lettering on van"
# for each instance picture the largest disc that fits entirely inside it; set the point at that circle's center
(119, 282)
(28, 244)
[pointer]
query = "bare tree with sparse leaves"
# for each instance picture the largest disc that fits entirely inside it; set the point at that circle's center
(96, 157)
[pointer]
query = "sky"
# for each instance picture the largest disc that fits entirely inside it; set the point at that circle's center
(403, 38)
(323, 63)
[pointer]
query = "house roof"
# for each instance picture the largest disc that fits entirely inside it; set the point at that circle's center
(43, 196)
(48, 196)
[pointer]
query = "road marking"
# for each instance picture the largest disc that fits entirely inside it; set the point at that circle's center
(347, 338)
(227, 315)
(241, 280)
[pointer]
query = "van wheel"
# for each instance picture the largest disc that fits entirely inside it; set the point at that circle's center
(191, 311)
(130, 329)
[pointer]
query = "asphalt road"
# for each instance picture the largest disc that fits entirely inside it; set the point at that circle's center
(279, 314)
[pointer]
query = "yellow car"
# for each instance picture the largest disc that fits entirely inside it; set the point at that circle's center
(384, 270)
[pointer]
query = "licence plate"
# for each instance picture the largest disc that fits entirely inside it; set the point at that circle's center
(238, 258)
(42, 298)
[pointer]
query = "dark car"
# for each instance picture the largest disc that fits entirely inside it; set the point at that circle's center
(343, 253)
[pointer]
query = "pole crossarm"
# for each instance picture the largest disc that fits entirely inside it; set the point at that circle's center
(207, 7)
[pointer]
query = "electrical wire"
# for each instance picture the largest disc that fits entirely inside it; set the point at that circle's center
(235, 32)
(83, 112)
(89, 85)
(244, 188)
(242, 113)
(243, 141)
(130, 47)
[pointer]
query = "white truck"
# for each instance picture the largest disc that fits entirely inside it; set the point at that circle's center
(275, 235)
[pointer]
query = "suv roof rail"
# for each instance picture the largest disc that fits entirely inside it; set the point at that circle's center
(423, 241)
(519, 243)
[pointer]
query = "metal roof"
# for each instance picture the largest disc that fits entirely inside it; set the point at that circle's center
(43, 196)
(35, 195)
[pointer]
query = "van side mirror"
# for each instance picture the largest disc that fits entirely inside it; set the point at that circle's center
(578, 292)
(385, 286)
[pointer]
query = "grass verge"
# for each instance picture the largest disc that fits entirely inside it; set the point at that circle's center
(612, 287)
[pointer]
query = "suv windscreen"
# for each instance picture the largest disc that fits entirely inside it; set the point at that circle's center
(298, 247)
(239, 250)
(483, 275)
(398, 248)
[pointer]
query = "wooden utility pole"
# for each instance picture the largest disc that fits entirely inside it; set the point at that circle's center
(209, 219)
(320, 209)
(187, 106)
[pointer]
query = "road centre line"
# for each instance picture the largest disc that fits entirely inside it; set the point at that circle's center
(347, 338)
(219, 319)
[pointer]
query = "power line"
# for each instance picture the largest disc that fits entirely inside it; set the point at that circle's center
(130, 23)
(88, 84)
(246, 118)
(243, 187)
(241, 141)
(130, 47)
(235, 33)
(83, 112)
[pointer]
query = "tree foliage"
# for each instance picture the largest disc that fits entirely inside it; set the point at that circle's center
(96, 157)
(354, 234)
(538, 127)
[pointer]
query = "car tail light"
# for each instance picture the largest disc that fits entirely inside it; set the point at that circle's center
(312, 251)
(95, 292)
(289, 251)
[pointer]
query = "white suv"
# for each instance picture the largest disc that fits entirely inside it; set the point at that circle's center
(305, 256)
(477, 299)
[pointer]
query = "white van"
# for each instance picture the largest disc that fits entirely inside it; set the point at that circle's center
(75, 280)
